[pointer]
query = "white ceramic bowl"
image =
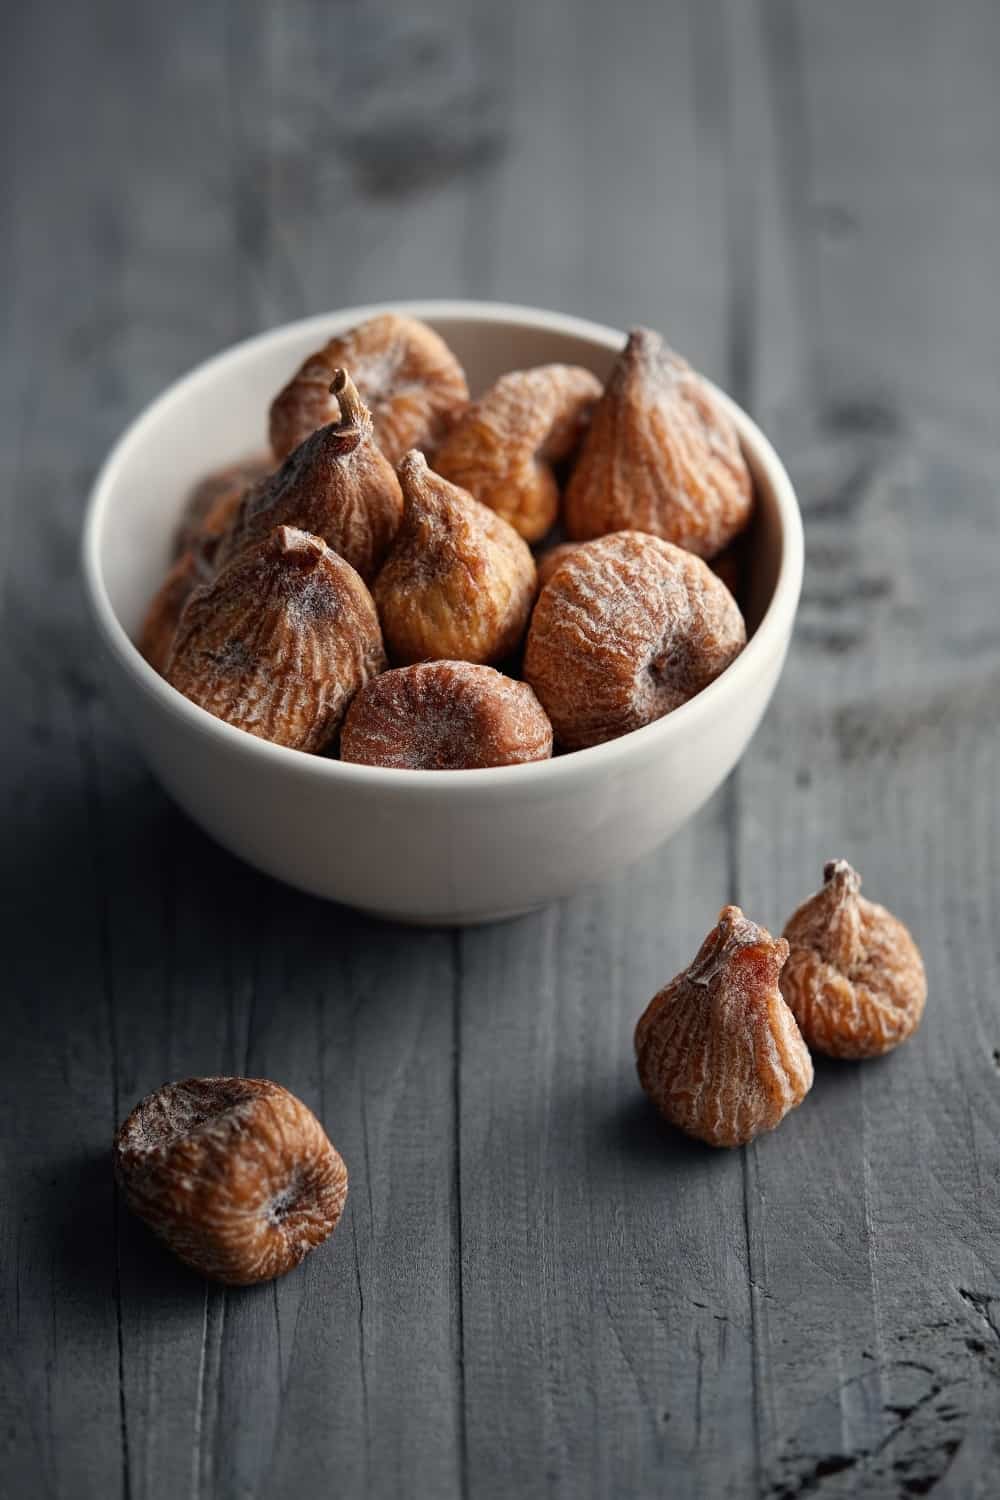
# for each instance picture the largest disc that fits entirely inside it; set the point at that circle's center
(420, 846)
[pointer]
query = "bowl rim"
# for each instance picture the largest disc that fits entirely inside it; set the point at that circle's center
(770, 636)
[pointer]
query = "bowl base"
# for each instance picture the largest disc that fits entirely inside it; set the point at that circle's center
(465, 919)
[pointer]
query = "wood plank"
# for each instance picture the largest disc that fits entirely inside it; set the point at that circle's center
(875, 1205)
(195, 965)
(604, 1290)
(351, 1368)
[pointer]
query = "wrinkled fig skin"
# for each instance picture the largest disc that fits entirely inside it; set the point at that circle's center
(336, 485)
(279, 641)
(459, 583)
(503, 447)
(718, 1050)
(445, 716)
(159, 628)
(661, 455)
(854, 978)
(627, 629)
(405, 373)
(212, 504)
(235, 1175)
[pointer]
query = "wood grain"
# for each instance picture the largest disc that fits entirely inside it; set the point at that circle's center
(536, 1289)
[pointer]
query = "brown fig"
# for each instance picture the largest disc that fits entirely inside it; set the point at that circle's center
(854, 978)
(212, 504)
(502, 448)
(406, 375)
(279, 641)
(718, 1050)
(445, 716)
(459, 582)
(160, 625)
(627, 629)
(235, 1175)
(337, 485)
(661, 455)
(731, 566)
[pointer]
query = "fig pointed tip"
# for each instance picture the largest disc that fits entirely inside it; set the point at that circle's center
(840, 870)
(643, 343)
(290, 542)
(413, 463)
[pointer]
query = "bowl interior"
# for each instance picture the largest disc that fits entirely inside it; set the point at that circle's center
(219, 414)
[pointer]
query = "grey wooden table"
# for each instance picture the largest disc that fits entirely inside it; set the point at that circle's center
(536, 1289)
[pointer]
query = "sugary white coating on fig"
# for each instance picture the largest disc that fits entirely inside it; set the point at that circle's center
(718, 1050)
(854, 978)
(661, 455)
(236, 1175)
(627, 628)
(459, 582)
(337, 485)
(279, 641)
(405, 373)
(445, 715)
(503, 446)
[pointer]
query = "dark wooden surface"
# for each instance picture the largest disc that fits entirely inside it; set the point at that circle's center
(536, 1289)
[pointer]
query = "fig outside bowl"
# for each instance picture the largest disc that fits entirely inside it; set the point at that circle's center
(432, 847)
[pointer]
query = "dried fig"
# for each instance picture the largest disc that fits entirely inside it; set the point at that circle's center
(503, 447)
(718, 1050)
(279, 641)
(212, 504)
(730, 566)
(627, 628)
(236, 1175)
(336, 485)
(854, 978)
(445, 716)
(406, 375)
(160, 625)
(661, 455)
(459, 582)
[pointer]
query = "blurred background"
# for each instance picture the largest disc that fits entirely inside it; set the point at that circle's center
(780, 185)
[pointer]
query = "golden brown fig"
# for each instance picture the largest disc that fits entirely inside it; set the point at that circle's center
(212, 504)
(279, 641)
(445, 716)
(718, 1050)
(336, 485)
(854, 979)
(627, 629)
(661, 455)
(503, 447)
(459, 582)
(235, 1175)
(160, 625)
(406, 375)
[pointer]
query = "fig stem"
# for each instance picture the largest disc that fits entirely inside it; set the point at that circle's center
(353, 411)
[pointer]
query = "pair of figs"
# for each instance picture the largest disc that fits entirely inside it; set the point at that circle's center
(723, 1050)
(295, 588)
